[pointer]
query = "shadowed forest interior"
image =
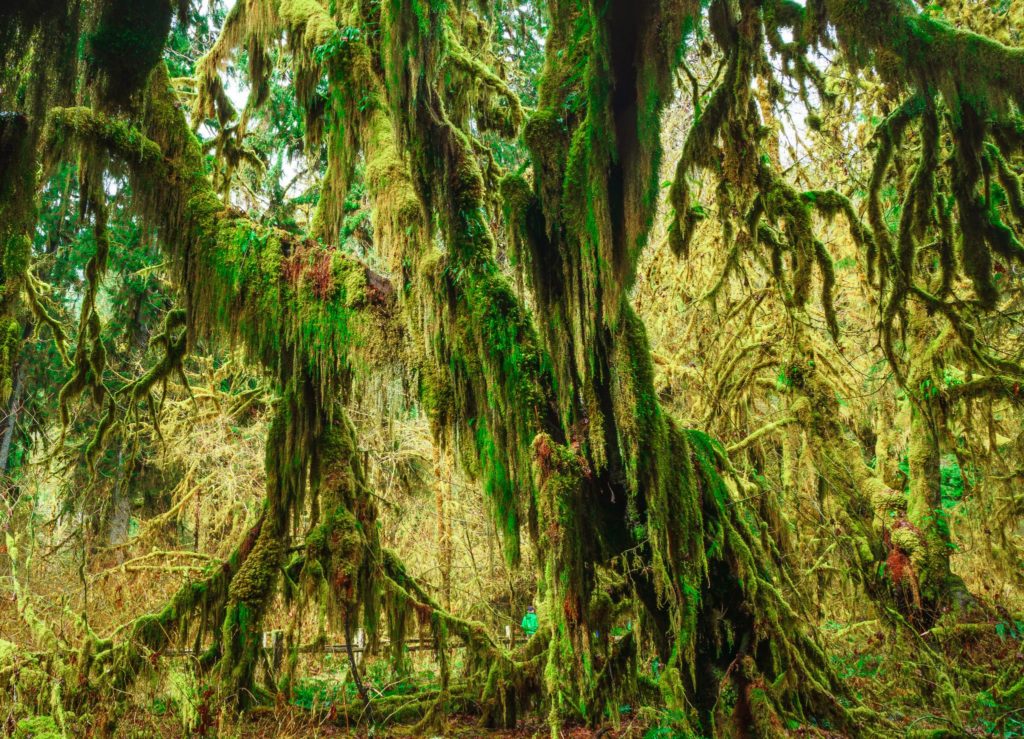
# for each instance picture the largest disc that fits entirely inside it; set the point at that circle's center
(633, 368)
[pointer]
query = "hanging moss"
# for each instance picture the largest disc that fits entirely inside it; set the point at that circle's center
(305, 312)
(494, 106)
(977, 79)
(967, 67)
(668, 495)
(309, 306)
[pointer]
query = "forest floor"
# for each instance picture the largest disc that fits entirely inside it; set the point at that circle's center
(884, 676)
(951, 680)
(289, 722)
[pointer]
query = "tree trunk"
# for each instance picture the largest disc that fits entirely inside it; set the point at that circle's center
(11, 420)
(119, 522)
(926, 537)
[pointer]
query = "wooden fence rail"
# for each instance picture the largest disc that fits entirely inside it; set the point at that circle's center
(274, 641)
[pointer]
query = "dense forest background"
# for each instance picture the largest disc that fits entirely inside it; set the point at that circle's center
(334, 334)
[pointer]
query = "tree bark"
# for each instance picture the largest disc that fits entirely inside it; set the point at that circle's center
(927, 538)
(11, 420)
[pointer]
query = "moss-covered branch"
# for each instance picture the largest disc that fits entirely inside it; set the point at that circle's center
(288, 301)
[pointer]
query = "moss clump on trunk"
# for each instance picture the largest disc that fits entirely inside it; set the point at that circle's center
(125, 46)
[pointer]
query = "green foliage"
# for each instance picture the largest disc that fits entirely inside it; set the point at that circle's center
(37, 727)
(951, 488)
(951, 479)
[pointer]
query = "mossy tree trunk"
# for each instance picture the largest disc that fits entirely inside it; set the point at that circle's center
(17, 225)
(927, 537)
(621, 473)
(237, 281)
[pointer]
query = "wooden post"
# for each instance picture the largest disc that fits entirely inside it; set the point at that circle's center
(361, 644)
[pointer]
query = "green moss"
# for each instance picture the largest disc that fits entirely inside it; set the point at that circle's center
(617, 474)
(126, 44)
(968, 67)
(37, 727)
(351, 276)
(495, 106)
(10, 342)
(308, 17)
(16, 254)
(17, 223)
(887, 500)
(906, 539)
(239, 280)
(255, 577)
